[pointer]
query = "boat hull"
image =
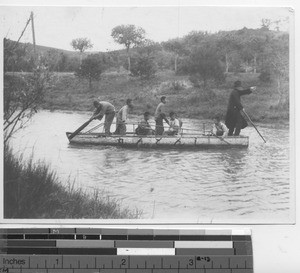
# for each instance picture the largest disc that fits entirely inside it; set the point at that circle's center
(157, 142)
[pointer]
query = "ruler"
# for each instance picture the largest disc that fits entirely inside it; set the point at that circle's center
(106, 250)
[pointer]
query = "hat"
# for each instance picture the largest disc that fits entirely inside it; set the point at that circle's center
(237, 84)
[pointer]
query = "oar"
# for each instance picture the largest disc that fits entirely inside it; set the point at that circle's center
(220, 138)
(94, 128)
(253, 125)
(79, 129)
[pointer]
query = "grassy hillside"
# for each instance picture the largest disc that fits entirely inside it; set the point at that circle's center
(70, 93)
(41, 50)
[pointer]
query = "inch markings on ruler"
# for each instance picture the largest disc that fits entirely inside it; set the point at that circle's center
(91, 250)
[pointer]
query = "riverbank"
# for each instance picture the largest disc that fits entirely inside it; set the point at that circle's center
(32, 191)
(69, 93)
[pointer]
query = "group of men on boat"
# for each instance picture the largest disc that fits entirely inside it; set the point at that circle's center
(234, 120)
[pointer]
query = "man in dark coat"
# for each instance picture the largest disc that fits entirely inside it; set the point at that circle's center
(234, 119)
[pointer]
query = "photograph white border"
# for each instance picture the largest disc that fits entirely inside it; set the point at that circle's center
(153, 3)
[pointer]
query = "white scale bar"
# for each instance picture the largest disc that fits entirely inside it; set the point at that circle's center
(203, 244)
(146, 251)
(241, 232)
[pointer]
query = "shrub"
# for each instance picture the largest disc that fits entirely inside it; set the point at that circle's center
(205, 65)
(265, 76)
(194, 80)
(143, 66)
(91, 68)
(177, 85)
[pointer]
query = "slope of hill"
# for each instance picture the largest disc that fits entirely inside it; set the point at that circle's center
(42, 50)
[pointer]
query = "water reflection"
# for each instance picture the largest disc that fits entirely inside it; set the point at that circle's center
(233, 161)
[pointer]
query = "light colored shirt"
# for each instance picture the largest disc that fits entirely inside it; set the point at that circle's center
(106, 108)
(123, 113)
(221, 127)
(174, 125)
(159, 109)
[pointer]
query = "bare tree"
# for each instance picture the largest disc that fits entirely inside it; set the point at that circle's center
(22, 96)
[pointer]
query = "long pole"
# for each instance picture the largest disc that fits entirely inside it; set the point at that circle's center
(79, 129)
(254, 125)
(33, 35)
(221, 139)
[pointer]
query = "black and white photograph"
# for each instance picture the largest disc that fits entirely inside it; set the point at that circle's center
(159, 114)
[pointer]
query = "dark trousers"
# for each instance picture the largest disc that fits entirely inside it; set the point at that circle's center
(108, 121)
(237, 127)
(120, 128)
(159, 126)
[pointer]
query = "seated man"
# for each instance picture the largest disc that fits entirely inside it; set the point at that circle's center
(174, 124)
(219, 128)
(144, 127)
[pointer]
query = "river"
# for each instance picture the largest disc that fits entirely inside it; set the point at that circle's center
(251, 185)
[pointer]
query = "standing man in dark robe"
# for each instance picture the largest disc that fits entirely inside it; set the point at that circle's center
(234, 119)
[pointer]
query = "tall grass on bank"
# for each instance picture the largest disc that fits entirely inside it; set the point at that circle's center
(70, 93)
(32, 190)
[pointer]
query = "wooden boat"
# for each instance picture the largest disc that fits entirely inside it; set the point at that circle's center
(183, 141)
